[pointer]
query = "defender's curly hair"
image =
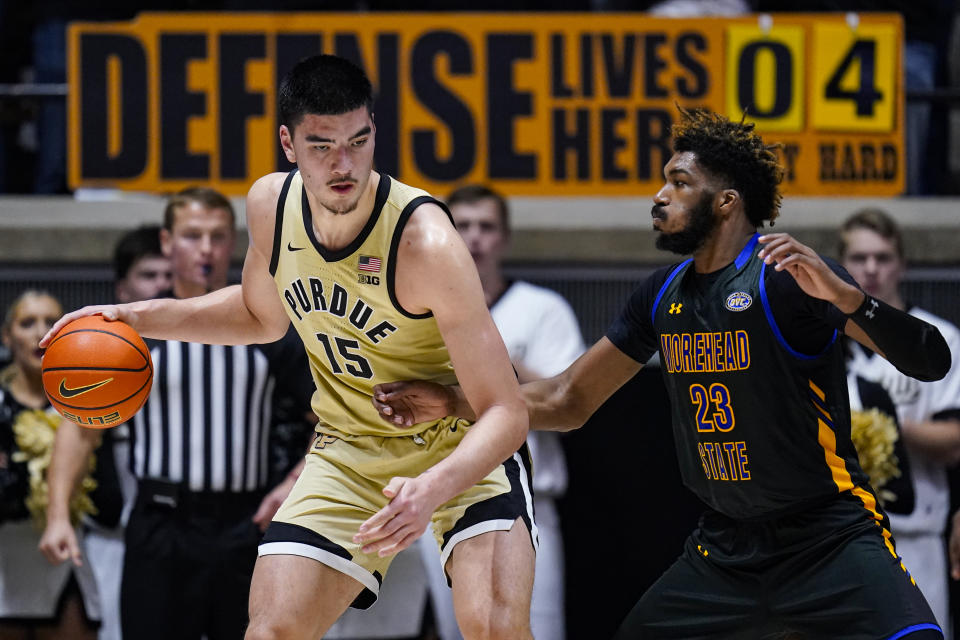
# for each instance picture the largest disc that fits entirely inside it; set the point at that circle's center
(733, 152)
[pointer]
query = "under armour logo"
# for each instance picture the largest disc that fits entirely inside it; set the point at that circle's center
(872, 310)
(675, 308)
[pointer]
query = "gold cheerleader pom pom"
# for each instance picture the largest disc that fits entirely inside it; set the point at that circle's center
(34, 431)
(874, 433)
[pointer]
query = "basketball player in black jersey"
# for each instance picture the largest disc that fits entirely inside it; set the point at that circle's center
(793, 543)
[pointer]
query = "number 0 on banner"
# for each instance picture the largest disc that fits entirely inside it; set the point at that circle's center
(854, 77)
(765, 72)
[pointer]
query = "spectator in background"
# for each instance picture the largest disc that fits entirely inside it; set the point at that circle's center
(199, 451)
(142, 272)
(36, 599)
(871, 249)
(542, 336)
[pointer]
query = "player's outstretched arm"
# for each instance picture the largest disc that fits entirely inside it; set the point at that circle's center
(72, 447)
(567, 400)
(241, 314)
(561, 403)
(915, 347)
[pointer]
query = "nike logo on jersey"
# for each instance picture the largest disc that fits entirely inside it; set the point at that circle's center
(66, 392)
(290, 247)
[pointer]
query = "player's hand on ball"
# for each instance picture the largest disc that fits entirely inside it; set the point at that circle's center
(108, 311)
(97, 373)
(400, 523)
(411, 402)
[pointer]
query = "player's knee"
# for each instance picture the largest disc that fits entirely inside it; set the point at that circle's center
(260, 632)
(495, 624)
(271, 629)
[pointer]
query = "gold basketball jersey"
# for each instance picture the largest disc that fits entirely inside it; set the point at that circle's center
(344, 306)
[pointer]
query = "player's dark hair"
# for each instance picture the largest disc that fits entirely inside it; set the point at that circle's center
(205, 196)
(143, 242)
(876, 220)
(322, 85)
(734, 153)
(472, 193)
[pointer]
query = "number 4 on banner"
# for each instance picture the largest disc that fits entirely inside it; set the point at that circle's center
(864, 53)
(856, 82)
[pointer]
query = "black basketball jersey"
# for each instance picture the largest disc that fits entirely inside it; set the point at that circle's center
(760, 427)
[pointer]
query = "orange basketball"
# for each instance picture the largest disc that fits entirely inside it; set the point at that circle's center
(97, 373)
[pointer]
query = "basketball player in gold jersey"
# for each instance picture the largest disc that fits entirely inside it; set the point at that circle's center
(379, 285)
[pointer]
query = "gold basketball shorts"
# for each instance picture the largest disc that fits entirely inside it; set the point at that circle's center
(341, 487)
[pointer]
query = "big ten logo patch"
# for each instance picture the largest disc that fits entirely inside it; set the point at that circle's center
(323, 440)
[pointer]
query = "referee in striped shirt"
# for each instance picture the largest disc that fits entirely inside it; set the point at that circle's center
(200, 453)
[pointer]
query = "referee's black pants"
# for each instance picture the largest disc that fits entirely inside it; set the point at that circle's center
(188, 563)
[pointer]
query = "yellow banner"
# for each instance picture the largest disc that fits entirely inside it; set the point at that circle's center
(534, 104)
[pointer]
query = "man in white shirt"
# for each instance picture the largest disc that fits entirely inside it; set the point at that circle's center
(871, 249)
(542, 337)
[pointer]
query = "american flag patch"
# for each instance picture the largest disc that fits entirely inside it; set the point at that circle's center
(369, 263)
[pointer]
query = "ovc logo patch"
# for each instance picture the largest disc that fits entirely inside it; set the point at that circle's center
(738, 301)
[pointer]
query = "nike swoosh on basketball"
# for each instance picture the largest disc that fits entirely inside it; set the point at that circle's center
(290, 247)
(71, 393)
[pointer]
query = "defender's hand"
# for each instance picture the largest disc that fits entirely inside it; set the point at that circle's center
(412, 402)
(271, 503)
(809, 270)
(59, 543)
(402, 521)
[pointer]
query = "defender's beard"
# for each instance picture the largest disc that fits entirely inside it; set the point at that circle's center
(700, 225)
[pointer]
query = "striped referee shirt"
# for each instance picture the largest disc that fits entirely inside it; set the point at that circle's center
(207, 420)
